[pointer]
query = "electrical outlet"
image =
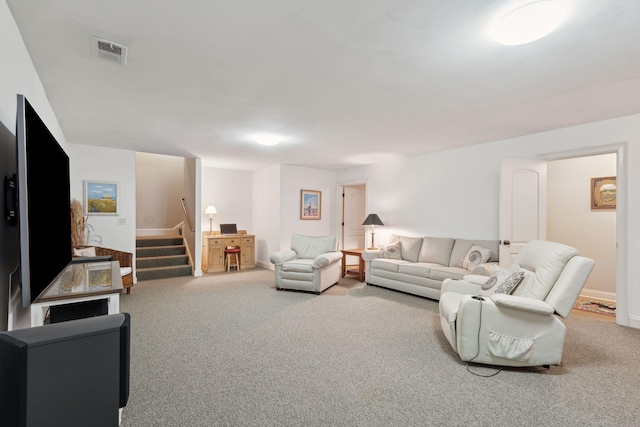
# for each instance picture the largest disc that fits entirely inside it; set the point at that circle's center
(122, 221)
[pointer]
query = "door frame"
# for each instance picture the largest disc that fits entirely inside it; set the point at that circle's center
(340, 204)
(622, 219)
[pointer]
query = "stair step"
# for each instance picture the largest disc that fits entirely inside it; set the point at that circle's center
(158, 241)
(163, 272)
(162, 261)
(158, 251)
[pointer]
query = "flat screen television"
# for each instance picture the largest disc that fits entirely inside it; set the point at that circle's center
(44, 203)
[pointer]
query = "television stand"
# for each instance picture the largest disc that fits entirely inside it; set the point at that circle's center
(79, 283)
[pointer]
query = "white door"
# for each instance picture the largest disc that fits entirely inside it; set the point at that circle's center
(523, 206)
(353, 214)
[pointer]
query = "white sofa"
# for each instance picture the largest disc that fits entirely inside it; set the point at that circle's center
(492, 323)
(312, 264)
(419, 265)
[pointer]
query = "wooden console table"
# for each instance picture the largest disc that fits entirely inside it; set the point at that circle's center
(213, 251)
(81, 282)
(345, 270)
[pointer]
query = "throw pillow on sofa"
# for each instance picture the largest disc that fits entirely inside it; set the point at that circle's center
(498, 275)
(392, 252)
(409, 246)
(477, 255)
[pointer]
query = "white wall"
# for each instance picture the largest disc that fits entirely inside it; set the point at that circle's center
(266, 213)
(107, 164)
(17, 76)
(293, 180)
(571, 220)
(276, 207)
(231, 192)
(456, 192)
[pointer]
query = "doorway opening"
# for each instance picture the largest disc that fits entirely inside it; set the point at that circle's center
(352, 208)
(621, 257)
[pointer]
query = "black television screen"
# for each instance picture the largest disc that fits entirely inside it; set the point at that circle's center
(44, 200)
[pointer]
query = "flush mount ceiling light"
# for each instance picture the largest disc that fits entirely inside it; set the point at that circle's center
(267, 139)
(529, 22)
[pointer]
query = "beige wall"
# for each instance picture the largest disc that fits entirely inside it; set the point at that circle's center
(570, 219)
(159, 188)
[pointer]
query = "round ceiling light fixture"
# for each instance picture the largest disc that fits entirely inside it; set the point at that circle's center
(267, 139)
(529, 22)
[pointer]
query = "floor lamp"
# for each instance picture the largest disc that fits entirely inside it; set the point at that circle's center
(372, 220)
(211, 210)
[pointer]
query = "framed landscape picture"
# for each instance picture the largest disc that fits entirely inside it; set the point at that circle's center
(310, 204)
(101, 198)
(603, 192)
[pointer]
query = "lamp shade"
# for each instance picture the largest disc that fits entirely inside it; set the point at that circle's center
(211, 210)
(372, 219)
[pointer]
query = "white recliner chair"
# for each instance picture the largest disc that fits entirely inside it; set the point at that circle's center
(312, 264)
(521, 327)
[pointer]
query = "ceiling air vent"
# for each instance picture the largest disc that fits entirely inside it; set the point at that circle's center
(109, 50)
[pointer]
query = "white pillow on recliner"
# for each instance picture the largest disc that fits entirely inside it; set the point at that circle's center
(85, 252)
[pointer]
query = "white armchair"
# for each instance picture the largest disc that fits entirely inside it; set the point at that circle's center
(312, 264)
(521, 327)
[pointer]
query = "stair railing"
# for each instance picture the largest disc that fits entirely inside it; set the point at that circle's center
(186, 216)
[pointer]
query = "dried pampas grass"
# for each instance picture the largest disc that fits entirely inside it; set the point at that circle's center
(80, 227)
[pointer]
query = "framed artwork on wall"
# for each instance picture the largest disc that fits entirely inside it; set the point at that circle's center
(603, 192)
(101, 198)
(310, 204)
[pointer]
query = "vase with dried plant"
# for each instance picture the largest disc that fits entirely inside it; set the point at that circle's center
(81, 230)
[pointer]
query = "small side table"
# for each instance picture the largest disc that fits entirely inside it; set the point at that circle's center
(354, 252)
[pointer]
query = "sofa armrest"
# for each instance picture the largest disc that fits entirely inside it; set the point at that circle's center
(530, 305)
(370, 254)
(280, 257)
(326, 259)
(476, 279)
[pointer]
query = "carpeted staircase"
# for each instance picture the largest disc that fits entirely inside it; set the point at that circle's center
(161, 257)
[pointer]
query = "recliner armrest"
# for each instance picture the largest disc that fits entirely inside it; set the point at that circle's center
(522, 304)
(326, 259)
(460, 287)
(280, 257)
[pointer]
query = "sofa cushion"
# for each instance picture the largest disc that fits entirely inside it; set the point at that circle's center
(462, 246)
(312, 246)
(392, 251)
(477, 255)
(420, 269)
(387, 264)
(436, 249)
(301, 265)
(409, 246)
(441, 273)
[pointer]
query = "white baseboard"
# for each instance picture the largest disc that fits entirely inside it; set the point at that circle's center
(606, 296)
(634, 322)
(268, 266)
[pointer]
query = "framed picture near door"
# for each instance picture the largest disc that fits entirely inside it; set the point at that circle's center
(101, 197)
(603, 192)
(310, 204)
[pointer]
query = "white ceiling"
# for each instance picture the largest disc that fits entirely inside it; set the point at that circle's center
(346, 82)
